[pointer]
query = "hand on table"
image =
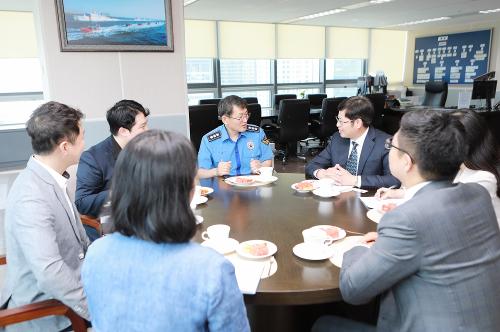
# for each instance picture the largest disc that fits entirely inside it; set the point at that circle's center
(385, 193)
(223, 168)
(342, 177)
(255, 165)
(369, 238)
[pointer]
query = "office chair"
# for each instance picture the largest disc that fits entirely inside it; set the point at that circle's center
(436, 93)
(378, 102)
(292, 124)
(324, 127)
(316, 99)
(202, 119)
(391, 120)
(251, 100)
(255, 114)
(278, 98)
(214, 101)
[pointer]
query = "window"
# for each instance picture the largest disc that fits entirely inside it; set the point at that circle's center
(344, 69)
(301, 93)
(298, 71)
(264, 96)
(199, 70)
(242, 72)
(194, 98)
(346, 91)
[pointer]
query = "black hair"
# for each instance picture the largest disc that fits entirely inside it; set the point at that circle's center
(226, 105)
(358, 107)
(151, 186)
(52, 123)
(123, 114)
(482, 152)
(436, 142)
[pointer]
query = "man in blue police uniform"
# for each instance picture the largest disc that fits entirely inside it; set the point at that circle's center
(236, 147)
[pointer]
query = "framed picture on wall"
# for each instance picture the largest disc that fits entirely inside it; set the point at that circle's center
(115, 25)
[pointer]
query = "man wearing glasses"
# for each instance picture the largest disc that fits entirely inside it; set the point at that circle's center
(355, 155)
(235, 147)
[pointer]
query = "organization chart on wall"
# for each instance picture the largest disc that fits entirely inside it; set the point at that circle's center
(455, 58)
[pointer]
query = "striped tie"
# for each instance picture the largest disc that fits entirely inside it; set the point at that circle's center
(352, 161)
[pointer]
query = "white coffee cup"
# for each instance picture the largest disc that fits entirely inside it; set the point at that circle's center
(216, 232)
(326, 183)
(316, 237)
(266, 172)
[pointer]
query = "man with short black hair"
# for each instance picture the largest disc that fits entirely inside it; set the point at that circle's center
(126, 119)
(355, 155)
(435, 259)
(236, 147)
(45, 239)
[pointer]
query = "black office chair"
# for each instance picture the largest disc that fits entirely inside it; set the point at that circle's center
(292, 124)
(391, 120)
(202, 119)
(435, 94)
(278, 98)
(378, 102)
(255, 114)
(251, 100)
(316, 99)
(214, 101)
(326, 125)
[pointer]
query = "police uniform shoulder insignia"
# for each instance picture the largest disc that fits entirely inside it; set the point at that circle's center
(253, 128)
(214, 136)
(265, 140)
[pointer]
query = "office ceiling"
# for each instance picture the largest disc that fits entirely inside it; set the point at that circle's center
(360, 13)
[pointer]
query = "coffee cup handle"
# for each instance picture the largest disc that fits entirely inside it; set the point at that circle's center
(205, 236)
(328, 242)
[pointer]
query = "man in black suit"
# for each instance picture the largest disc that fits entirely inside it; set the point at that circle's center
(126, 119)
(356, 155)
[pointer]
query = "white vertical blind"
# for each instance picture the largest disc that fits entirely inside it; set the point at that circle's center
(239, 40)
(17, 35)
(387, 53)
(347, 43)
(201, 39)
(300, 42)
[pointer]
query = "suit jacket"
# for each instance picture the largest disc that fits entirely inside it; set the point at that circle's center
(436, 261)
(93, 177)
(373, 163)
(44, 243)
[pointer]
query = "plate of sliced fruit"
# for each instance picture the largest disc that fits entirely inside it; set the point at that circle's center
(305, 186)
(242, 181)
(256, 249)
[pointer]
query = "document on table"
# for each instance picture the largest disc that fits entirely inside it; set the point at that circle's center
(248, 273)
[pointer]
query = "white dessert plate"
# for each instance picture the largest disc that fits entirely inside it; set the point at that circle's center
(256, 249)
(340, 247)
(374, 215)
(313, 185)
(331, 231)
(313, 252)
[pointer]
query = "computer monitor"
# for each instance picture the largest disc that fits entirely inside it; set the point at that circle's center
(484, 90)
(485, 77)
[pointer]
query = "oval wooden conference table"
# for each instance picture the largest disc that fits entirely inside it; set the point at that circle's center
(277, 213)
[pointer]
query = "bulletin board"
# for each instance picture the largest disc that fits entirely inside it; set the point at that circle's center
(455, 58)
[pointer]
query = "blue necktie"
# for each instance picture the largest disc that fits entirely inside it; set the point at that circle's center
(352, 161)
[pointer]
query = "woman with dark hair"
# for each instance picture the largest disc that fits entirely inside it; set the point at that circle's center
(148, 276)
(481, 165)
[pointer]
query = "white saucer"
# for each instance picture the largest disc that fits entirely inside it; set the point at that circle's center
(312, 252)
(223, 247)
(340, 247)
(268, 179)
(325, 193)
(374, 215)
(199, 200)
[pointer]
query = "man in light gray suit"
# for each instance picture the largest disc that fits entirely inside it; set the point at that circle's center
(435, 259)
(45, 239)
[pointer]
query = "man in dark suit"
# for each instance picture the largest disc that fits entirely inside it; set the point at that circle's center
(126, 119)
(355, 155)
(435, 259)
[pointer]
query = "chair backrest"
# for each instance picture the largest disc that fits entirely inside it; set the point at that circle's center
(378, 102)
(293, 120)
(436, 93)
(214, 101)
(202, 119)
(328, 116)
(278, 98)
(255, 114)
(316, 99)
(391, 120)
(251, 100)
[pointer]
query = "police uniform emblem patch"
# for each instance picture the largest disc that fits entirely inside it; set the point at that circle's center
(265, 140)
(214, 136)
(250, 145)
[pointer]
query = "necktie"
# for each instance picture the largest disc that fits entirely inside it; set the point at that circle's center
(352, 161)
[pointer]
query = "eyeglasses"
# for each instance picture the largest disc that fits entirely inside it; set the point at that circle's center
(242, 117)
(388, 145)
(339, 120)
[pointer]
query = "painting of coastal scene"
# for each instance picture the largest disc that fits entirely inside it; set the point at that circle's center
(121, 25)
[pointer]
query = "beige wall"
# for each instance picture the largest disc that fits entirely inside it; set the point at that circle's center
(93, 81)
(494, 53)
